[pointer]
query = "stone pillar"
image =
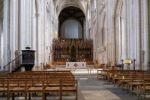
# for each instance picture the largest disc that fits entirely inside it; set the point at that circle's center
(133, 31)
(1, 24)
(109, 31)
(144, 33)
(19, 26)
(6, 34)
(50, 31)
(48, 46)
(41, 40)
(124, 31)
(1, 30)
(118, 30)
(13, 27)
(112, 33)
(37, 13)
(148, 42)
(25, 28)
(129, 26)
(13, 31)
(136, 45)
(28, 20)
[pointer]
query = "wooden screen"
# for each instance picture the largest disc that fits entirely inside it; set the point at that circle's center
(72, 50)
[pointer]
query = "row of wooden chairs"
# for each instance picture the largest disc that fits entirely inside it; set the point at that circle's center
(136, 81)
(44, 83)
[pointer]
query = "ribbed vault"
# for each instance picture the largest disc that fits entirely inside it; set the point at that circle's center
(61, 4)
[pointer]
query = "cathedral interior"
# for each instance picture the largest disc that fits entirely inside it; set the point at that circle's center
(75, 49)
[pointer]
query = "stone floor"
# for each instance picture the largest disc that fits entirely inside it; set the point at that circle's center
(93, 89)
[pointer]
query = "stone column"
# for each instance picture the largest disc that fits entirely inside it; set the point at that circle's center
(133, 32)
(50, 31)
(127, 27)
(37, 12)
(42, 34)
(124, 31)
(144, 33)
(1, 30)
(6, 34)
(19, 25)
(108, 33)
(28, 20)
(113, 33)
(23, 22)
(148, 42)
(48, 37)
(13, 30)
(118, 30)
(136, 50)
(13, 27)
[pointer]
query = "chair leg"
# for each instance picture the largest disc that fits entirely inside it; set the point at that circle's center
(61, 95)
(144, 95)
(8, 96)
(43, 96)
(29, 96)
(76, 95)
(138, 93)
(60, 91)
(13, 96)
(25, 96)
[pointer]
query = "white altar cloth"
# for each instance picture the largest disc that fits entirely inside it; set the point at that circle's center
(75, 65)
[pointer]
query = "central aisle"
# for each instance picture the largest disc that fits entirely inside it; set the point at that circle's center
(92, 89)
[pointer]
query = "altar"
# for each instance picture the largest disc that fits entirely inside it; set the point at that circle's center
(75, 65)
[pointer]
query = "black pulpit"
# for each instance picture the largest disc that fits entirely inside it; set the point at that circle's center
(28, 59)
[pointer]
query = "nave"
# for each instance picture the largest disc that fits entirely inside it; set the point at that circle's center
(41, 39)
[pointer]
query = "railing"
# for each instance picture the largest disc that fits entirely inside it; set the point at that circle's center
(13, 64)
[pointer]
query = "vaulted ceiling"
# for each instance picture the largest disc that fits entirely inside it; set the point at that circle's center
(71, 12)
(61, 4)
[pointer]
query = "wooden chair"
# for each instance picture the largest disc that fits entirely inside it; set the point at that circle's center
(35, 86)
(52, 86)
(69, 86)
(3, 86)
(17, 86)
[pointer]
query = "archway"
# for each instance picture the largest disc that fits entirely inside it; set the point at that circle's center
(71, 19)
(72, 43)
